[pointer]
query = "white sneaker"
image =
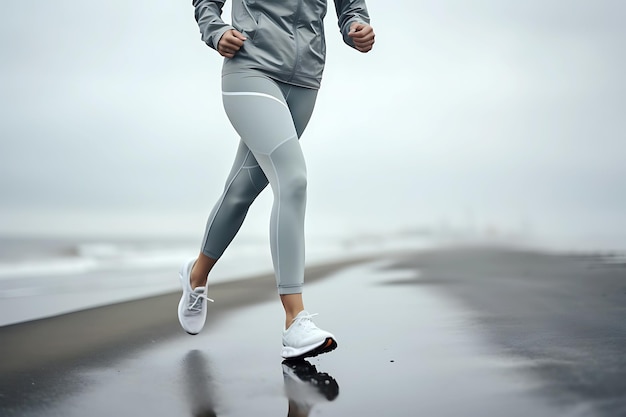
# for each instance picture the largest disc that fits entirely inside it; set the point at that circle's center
(192, 305)
(304, 339)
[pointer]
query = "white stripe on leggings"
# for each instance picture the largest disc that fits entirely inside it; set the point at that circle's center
(251, 93)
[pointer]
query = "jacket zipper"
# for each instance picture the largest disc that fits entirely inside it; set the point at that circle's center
(296, 38)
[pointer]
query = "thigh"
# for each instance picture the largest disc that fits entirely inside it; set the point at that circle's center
(258, 111)
(301, 102)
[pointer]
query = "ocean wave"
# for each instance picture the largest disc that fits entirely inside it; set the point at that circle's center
(91, 257)
(72, 258)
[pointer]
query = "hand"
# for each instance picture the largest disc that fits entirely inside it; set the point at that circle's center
(230, 42)
(363, 36)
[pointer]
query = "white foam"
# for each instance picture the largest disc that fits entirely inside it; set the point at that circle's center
(105, 273)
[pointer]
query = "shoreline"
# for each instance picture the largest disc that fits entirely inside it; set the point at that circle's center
(69, 337)
(554, 321)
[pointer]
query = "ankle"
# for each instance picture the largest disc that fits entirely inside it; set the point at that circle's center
(293, 305)
(290, 317)
(200, 270)
(197, 280)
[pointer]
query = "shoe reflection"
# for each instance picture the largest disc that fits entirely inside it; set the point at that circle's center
(305, 387)
(199, 384)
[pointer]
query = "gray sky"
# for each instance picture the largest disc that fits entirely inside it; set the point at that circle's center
(484, 113)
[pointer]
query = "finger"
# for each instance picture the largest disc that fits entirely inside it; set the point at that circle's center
(231, 39)
(231, 46)
(364, 46)
(364, 33)
(355, 27)
(225, 49)
(362, 43)
(238, 35)
(234, 45)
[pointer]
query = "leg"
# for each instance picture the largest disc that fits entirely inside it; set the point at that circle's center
(301, 102)
(257, 108)
(258, 111)
(245, 182)
(230, 211)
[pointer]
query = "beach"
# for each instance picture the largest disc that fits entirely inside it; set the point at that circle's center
(467, 330)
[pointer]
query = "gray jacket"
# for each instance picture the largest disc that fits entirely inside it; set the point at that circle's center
(285, 37)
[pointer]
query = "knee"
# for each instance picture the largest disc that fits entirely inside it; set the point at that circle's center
(295, 187)
(238, 200)
(240, 194)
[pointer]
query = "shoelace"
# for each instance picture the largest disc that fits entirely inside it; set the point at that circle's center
(196, 305)
(305, 321)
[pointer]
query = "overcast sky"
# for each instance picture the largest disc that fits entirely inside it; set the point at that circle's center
(478, 113)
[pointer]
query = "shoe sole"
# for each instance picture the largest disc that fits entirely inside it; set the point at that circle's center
(328, 346)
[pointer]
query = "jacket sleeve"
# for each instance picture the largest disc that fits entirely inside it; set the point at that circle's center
(348, 12)
(208, 14)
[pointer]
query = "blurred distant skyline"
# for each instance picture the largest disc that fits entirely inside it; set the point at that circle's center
(483, 115)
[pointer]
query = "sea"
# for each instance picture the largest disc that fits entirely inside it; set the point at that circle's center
(47, 276)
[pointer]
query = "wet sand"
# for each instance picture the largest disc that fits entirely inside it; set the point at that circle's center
(562, 316)
(465, 331)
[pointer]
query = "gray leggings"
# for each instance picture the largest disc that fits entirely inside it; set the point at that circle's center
(270, 117)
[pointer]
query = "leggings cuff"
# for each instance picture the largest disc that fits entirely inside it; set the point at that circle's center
(294, 289)
(211, 255)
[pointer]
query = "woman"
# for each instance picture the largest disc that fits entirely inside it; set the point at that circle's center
(274, 58)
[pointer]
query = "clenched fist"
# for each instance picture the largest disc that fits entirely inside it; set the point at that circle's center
(230, 43)
(363, 36)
